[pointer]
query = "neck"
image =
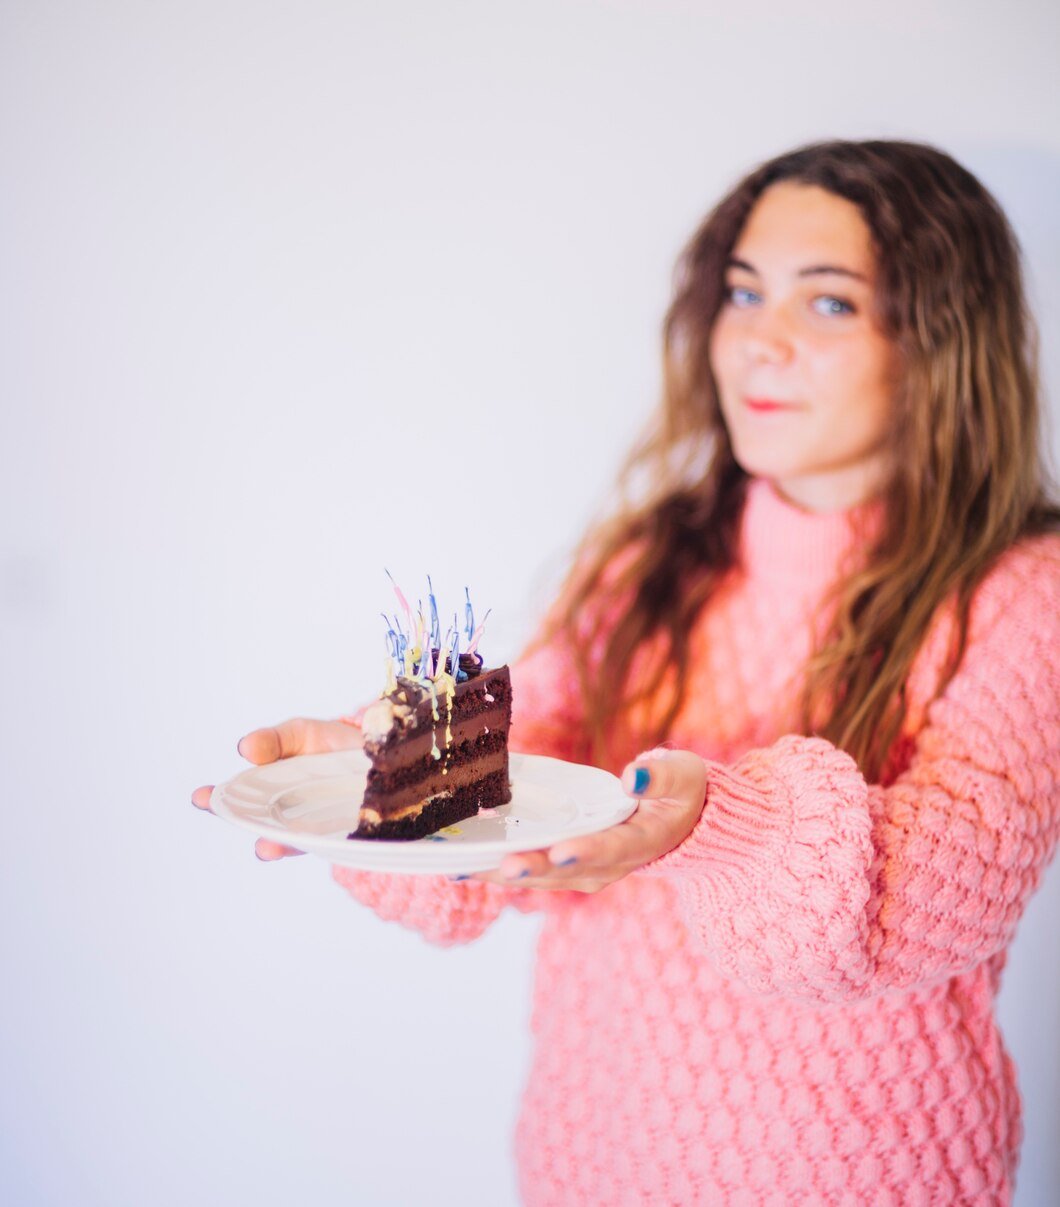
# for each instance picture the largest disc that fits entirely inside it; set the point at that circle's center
(784, 541)
(835, 490)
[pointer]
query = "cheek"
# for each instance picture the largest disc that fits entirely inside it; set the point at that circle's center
(855, 379)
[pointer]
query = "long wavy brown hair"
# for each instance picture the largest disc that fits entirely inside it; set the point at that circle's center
(968, 477)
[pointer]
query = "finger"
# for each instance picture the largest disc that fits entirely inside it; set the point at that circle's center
(674, 776)
(274, 742)
(267, 850)
(298, 736)
(200, 798)
(624, 846)
(515, 868)
(524, 866)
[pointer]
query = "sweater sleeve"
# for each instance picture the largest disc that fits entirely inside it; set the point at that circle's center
(445, 912)
(804, 880)
(448, 912)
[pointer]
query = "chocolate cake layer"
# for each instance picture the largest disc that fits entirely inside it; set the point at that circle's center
(392, 757)
(399, 788)
(414, 707)
(445, 810)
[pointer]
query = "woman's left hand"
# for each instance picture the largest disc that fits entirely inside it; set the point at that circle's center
(670, 799)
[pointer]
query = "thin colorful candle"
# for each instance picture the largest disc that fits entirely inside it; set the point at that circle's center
(469, 615)
(454, 654)
(418, 639)
(478, 633)
(436, 631)
(401, 599)
(391, 638)
(442, 648)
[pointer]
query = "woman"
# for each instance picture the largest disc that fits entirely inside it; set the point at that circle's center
(839, 607)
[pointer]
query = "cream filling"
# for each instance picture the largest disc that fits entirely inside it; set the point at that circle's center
(374, 817)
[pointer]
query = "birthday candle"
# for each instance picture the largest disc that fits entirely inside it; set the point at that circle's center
(442, 647)
(469, 615)
(391, 636)
(435, 628)
(419, 639)
(478, 633)
(401, 599)
(454, 656)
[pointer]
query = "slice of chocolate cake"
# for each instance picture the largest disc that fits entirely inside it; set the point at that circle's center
(439, 750)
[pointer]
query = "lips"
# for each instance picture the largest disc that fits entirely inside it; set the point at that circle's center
(765, 406)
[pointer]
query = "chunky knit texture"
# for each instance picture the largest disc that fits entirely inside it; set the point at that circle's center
(795, 1005)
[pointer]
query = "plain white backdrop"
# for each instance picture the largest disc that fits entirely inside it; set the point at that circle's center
(285, 292)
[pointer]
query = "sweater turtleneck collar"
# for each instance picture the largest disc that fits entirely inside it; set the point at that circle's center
(781, 541)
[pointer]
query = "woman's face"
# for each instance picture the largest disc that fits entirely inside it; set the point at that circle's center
(797, 330)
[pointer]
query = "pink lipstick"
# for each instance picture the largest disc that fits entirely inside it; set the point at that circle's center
(767, 405)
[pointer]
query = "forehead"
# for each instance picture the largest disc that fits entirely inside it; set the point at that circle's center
(793, 226)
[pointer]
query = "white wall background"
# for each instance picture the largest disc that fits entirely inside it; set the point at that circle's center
(280, 285)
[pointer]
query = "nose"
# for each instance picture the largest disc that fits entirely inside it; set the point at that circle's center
(767, 340)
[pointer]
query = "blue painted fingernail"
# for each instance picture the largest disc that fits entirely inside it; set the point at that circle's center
(459, 877)
(565, 863)
(641, 780)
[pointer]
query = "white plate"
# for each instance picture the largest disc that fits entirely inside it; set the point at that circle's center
(311, 802)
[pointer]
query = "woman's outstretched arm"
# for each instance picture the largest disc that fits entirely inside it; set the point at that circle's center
(801, 878)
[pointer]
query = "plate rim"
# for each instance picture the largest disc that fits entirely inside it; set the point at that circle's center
(430, 858)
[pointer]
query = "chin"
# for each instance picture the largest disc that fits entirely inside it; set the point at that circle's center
(768, 463)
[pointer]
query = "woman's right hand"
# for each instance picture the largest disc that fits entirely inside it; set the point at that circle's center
(300, 735)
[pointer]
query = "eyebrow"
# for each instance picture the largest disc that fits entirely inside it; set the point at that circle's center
(814, 270)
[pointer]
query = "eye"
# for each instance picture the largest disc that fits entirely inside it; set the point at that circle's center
(829, 305)
(740, 295)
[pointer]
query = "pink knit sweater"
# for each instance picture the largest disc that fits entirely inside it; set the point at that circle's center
(795, 1005)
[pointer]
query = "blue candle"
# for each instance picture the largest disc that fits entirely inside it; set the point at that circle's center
(454, 657)
(436, 632)
(469, 615)
(391, 638)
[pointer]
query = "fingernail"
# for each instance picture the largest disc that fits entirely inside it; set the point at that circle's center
(459, 877)
(565, 863)
(518, 875)
(641, 780)
(239, 748)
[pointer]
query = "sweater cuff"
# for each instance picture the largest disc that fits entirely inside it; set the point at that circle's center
(740, 828)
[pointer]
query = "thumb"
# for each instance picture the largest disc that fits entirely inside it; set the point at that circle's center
(678, 776)
(299, 735)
